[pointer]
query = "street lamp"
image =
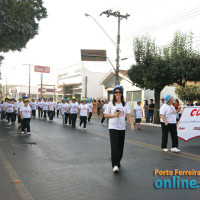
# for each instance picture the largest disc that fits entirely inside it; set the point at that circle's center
(87, 15)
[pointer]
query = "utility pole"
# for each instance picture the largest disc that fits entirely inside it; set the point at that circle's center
(120, 17)
(29, 82)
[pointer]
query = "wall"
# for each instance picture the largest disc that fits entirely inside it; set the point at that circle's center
(94, 90)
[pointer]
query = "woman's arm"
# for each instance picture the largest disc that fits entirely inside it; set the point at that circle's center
(163, 118)
(128, 116)
(112, 115)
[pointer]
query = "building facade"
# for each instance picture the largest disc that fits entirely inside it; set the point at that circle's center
(79, 82)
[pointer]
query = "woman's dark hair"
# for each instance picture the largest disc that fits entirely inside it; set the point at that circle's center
(177, 100)
(122, 100)
(146, 102)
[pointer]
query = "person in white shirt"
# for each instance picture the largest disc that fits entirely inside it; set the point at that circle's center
(19, 105)
(9, 111)
(83, 113)
(51, 108)
(104, 109)
(26, 115)
(15, 111)
(90, 106)
(33, 106)
(138, 113)
(2, 110)
(39, 108)
(57, 108)
(74, 111)
(45, 108)
(168, 124)
(117, 111)
(66, 110)
(62, 110)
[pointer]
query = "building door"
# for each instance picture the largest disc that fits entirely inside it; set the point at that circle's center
(110, 96)
(132, 97)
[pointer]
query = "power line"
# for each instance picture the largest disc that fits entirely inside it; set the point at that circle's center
(173, 20)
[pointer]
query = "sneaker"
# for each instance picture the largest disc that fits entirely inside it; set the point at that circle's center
(175, 150)
(85, 128)
(22, 132)
(29, 133)
(165, 150)
(139, 129)
(9, 123)
(115, 169)
(79, 127)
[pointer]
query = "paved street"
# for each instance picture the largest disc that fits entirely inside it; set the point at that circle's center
(60, 163)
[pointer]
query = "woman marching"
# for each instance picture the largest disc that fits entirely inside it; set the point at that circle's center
(168, 124)
(26, 115)
(45, 108)
(117, 110)
(90, 106)
(62, 110)
(74, 111)
(67, 115)
(10, 111)
(83, 113)
(57, 108)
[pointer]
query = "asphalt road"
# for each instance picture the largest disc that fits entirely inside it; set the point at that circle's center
(60, 163)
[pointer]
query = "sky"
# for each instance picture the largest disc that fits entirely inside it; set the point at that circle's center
(67, 30)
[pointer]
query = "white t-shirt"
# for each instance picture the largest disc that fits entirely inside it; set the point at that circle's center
(4, 105)
(45, 105)
(39, 104)
(118, 123)
(104, 107)
(138, 110)
(169, 113)
(10, 108)
(83, 110)
(66, 107)
(51, 106)
(20, 104)
(62, 108)
(74, 108)
(90, 106)
(26, 111)
(57, 106)
(33, 105)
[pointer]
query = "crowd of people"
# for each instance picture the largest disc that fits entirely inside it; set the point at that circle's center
(116, 112)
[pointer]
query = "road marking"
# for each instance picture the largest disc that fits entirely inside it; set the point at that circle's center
(149, 146)
(22, 190)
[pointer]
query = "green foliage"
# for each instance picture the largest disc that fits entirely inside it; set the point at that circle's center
(188, 92)
(185, 61)
(19, 22)
(151, 70)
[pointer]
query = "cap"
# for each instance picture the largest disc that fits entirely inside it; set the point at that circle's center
(58, 101)
(26, 100)
(9, 98)
(63, 99)
(118, 87)
(83, 99)
(24, 96)
(68, 99)
(20, 97)
(139, 100)
(73, 98)
(2, 99)
(168, 97)
(39, 98)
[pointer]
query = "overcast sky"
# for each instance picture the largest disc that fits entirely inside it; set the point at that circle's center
(66, 31)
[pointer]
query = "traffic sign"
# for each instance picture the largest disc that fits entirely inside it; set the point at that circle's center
(93, 55)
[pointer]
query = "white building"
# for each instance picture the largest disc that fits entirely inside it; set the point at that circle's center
(79, 82)
(131, 92)
(16, 91)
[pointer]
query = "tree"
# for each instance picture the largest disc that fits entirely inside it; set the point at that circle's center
(19, 22)
(188, 92)
(157, 67)
(151, 70)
